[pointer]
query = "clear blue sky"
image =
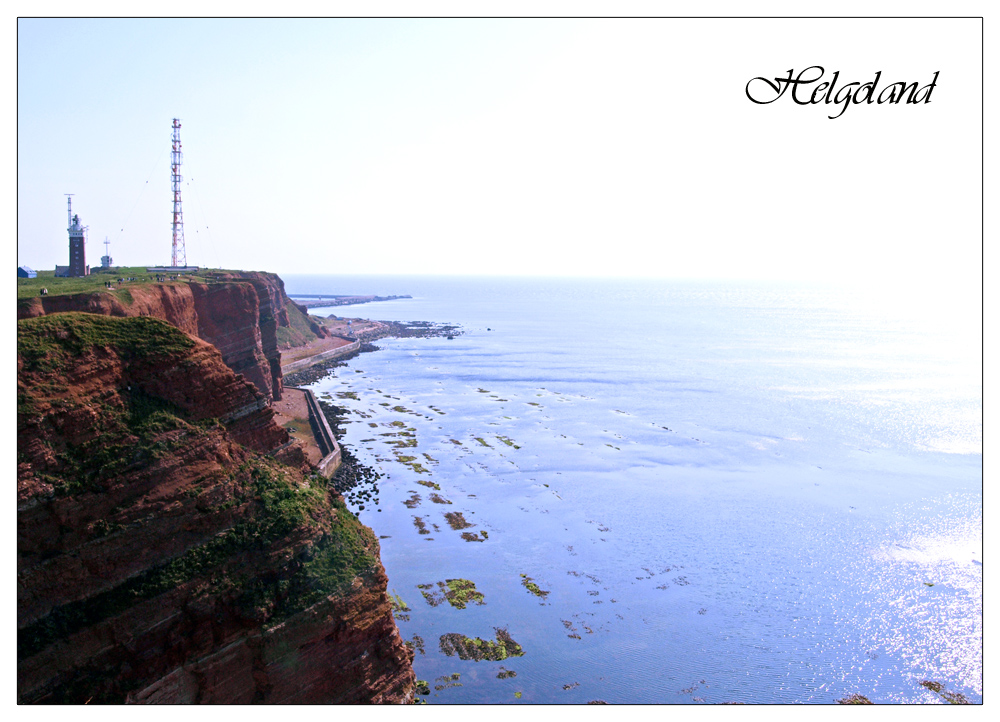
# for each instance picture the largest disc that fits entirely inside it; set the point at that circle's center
(581, 147)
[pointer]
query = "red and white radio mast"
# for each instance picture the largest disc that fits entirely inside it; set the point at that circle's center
(179, 254)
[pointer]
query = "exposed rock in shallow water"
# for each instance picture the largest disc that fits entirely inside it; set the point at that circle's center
(477, 649)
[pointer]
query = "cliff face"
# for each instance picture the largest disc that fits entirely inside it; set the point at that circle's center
(239, 314)
(163, 554)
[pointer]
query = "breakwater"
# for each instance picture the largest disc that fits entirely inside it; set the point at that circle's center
(317, 300)
(320, 357)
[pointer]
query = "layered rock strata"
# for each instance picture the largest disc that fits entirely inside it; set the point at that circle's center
(163, 554)
(238, 313)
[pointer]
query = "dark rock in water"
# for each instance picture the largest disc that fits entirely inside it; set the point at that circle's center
(854, 699)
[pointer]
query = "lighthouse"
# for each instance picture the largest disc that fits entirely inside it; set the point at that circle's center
(77, 251)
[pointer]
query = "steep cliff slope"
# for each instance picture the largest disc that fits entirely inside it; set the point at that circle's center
(241, 314)
(164, 553)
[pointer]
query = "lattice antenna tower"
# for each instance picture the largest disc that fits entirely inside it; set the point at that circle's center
(179, 254)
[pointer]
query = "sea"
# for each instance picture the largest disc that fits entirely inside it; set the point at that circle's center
(673, 492)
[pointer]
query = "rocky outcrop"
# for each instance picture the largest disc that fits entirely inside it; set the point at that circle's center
(164, 554)
(345, 650)
(238, 313)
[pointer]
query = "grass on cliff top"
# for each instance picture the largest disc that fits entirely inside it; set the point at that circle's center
(298, 333)
(94, 283)
(46, 342)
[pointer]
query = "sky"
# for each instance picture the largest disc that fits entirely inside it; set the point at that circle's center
(588, 147)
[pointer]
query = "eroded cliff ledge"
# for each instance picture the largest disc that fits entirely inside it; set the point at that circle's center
(240, 313)
(166, 553)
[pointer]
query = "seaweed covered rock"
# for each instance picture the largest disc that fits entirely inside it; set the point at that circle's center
(477, 649)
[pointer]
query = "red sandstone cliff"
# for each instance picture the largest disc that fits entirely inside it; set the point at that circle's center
(163, 555)
(238, 313)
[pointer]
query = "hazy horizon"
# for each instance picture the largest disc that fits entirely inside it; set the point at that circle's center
(622, 148)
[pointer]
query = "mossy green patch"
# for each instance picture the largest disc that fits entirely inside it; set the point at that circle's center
(300, 330)
(348, 550)
(275, 507)
(409, 441)
(399, 607)
(477, 649)
(481, 441)
(457, 592)
(132, 431)
(529, 584)
(48, 343)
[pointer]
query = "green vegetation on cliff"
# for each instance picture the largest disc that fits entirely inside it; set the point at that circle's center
(275, 507)
(130, 430)
(300, 329)
(349, 549)
(264, 506)
(31, 287)
(94, 283)
(49, 343)
(346, 550)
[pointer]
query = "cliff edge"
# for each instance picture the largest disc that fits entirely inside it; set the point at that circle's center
(245, 315)
(165, 552)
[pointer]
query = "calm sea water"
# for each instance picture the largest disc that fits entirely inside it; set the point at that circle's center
(729, 492)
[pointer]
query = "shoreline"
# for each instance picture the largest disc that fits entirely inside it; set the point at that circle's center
(307, 364)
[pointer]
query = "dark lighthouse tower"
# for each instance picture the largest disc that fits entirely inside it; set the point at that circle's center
(77, 251)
